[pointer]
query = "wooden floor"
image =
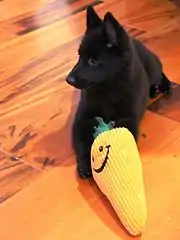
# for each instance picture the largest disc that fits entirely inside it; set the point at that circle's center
(41, 197)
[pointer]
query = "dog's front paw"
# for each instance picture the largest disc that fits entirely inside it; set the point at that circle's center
(84, 169)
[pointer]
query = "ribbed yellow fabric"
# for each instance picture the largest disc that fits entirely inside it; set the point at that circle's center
(121, 180)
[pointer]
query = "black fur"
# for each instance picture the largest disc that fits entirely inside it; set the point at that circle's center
(116, 74)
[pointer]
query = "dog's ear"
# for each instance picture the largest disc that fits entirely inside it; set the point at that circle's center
(114, 32)
(92, 19)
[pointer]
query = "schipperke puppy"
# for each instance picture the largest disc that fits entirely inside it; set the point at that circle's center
(116, 74)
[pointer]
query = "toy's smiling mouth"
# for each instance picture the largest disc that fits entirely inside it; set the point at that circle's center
(98, 170)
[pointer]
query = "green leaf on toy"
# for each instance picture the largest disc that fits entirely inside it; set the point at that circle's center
(102, 126)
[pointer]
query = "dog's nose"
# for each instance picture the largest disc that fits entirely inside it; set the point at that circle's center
(70, 80)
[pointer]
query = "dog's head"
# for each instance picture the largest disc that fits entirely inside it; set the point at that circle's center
(101, 52)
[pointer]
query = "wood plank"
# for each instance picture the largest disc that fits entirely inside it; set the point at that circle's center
(14, 177)
(6, 36)
(168, 107)
(168, 53)
(157, 132)
(154, 14)
(48, 14)
(11, 9)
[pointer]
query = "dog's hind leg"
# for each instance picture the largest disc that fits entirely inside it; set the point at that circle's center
(165, 87)
(154, 91)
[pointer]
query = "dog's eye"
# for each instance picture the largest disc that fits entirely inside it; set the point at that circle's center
(93, 62)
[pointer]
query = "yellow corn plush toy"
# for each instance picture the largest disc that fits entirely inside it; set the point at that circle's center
(117, 170)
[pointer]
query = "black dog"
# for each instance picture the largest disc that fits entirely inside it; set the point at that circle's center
(116, 74)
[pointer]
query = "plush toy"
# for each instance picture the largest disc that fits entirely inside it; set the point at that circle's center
(117, 170)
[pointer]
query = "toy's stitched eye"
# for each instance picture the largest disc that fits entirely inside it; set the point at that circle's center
(93, 62)
(101, 148)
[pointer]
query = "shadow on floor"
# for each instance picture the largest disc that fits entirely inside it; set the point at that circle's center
(102, 207)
